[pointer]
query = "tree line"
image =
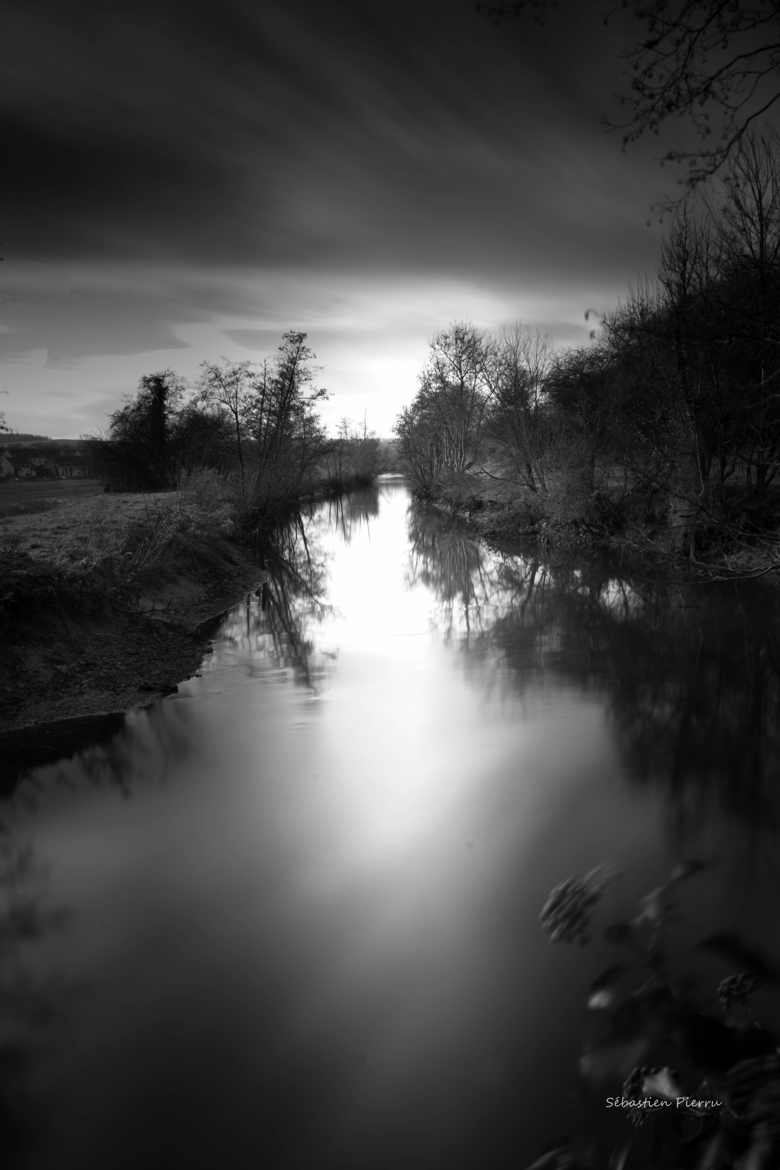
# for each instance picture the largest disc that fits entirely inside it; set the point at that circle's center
(257, 422)
(665, 428)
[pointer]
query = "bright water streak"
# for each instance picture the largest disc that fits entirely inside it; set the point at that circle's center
(303, 930)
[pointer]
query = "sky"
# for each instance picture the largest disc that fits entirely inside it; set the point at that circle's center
(187, 182)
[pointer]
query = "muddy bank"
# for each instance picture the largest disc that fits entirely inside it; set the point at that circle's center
(69, 673)
(107, 603)
(78, 653)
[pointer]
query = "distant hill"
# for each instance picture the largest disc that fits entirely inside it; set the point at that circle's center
(37, 457)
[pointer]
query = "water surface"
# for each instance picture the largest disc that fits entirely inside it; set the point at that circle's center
(289, 916)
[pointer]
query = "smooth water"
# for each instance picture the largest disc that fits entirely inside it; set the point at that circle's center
(289, 916)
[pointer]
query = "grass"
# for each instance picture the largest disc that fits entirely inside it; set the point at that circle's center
(103, 599)
(23, 497)
(167, 554)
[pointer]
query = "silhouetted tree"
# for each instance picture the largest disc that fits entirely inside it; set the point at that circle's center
(286, 428)
(141, 433)
(516, 374)
(228, 388)
(710, 65)
(440, 433)
(352, 456)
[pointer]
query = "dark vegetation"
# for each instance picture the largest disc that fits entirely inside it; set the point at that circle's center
(662, 435)
(690, 675)
(682, 1001)
(693, 1085)
(108, 597)
(256, 424)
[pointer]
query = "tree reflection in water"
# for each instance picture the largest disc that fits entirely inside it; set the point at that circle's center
(689, 678)
(348, 514)
(690, 673)
(25, 998)
(143, 749)
(273, 631)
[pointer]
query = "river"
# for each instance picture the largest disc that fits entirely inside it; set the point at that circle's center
(289, 916)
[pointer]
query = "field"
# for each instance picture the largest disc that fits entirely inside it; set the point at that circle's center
(82, 531)
(38, 495)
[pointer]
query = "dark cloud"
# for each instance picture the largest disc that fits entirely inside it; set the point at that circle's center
(264, 340)
(181, 178)
(75, 319)
(415, 134)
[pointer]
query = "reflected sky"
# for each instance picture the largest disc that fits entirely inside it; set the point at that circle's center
(304, 892)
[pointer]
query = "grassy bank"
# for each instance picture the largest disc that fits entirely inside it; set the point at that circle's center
(104, 599)
(107, 600)
(627, 527)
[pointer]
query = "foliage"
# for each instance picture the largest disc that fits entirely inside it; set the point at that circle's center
(257, 420)
(353, 457)
(227, 388)
(706, 1092)
(141, 433)
(664, 431)
(288, 434)
(440, 433)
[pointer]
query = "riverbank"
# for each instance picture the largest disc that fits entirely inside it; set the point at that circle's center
(653, 548)
(107, 603)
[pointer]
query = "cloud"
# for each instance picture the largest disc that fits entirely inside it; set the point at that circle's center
(254, 339)
(71, 316)
(183, 184)
(77, 338)
(288, 135)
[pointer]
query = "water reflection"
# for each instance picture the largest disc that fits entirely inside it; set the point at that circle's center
(691, 674)
(27, 998)
(272, 633)
(305, 890)
(350, 514)
(455, 568)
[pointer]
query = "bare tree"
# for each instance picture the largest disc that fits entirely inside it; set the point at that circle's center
(521, 362)
(287, 431)
(711, 66)
(229, 388)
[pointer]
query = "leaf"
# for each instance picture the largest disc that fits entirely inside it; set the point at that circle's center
(602, 989)
(600, 877)
(662, 1084)
(727, 944)
(653, 908)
